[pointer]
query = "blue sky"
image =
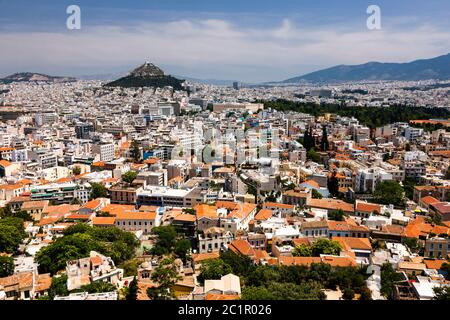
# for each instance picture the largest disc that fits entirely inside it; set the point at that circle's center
(245, 40)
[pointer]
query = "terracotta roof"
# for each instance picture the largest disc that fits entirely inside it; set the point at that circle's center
(434, 264)
(243, 247)
(34, 204)
(278, 205)
(93, 204)
(136, 216)
(5, 163)
(312, 183)
(197, 257)
(216, 296)
(429, 200)
(114, 209)
(264, 214)
(97, 221)
(204, 210)
(349, 243)
(336, 261)
(186, 217)
(298, 261)
(330, 204)
(368, 207)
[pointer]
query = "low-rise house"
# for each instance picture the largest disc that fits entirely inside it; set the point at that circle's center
(279, 209)
(317, 228)
(94, 268)
(136, 221)
(214, 239)
(346, 229)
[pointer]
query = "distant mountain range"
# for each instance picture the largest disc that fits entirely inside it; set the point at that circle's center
(147, 75)
(34, 77)
(436, 68)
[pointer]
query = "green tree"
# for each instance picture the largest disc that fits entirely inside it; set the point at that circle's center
(76, 171)
(413, 244)
(365, 294)
(442, 293)
(136, 152)
(316, 194)
(132, 290)
(333, 184)
(446, 268)
(313, 155)
(129, 176)
(79, 240)
(348, 294)
(326, 246)
(388, 279)
(389, 192)
(6, 266)
(129, 267)
(10, 235)
(256, 293)
(240, 264)
(337, 215)
(165, 241)
(302, 250)
(98, 190)
(58, 286)
(213, 269)
(164, 277)
(182, 248)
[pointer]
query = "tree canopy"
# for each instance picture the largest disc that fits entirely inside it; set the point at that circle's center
(11, 234)
(6, 266)
(389, 192)
(79, 240)
(98, 190)
(129, 176)
(165, 277)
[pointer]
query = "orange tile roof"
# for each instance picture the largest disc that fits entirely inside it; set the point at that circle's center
(312, 183)
(434, 264)
(186, 217)
(429, 200)
(2, 149)
(10, 186)
(298, 261)
(98, 164)
(151, 160)
(368, 207)
(349, 243)
(335, 261)
(278, 205)
(242, 210)
(114, 209)
(216, 296)
(330, 204)
(93, 204)
(136, 216)
(264, 214)
(243, 247)
(97, 221)
(197, 257)
(205, 210)
(5, 163)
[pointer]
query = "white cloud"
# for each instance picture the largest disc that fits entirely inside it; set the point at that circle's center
(216, 48)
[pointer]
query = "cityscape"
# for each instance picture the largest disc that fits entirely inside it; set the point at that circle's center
(150, 181)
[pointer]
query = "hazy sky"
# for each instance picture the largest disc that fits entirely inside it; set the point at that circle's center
(245, 40)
